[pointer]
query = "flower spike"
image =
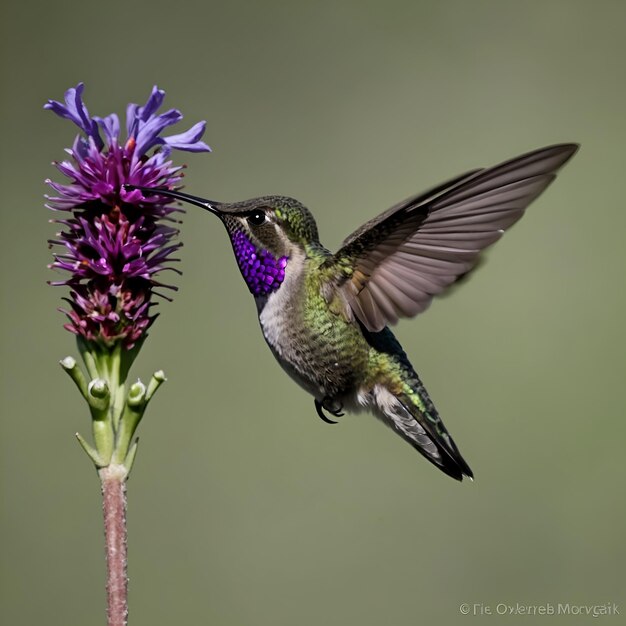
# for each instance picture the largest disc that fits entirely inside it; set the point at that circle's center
(115, 241)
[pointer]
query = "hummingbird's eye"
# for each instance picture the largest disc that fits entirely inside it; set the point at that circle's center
(257, 218)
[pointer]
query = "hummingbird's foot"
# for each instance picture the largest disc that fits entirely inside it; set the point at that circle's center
(320, 412)
(320, 406)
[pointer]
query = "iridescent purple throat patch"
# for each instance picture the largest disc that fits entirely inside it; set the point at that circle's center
(262, 272)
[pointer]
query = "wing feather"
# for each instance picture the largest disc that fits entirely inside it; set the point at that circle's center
(412, 252)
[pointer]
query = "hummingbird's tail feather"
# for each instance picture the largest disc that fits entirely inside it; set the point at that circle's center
(415, 419)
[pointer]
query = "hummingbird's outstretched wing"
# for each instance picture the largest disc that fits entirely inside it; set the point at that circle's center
(396, 263)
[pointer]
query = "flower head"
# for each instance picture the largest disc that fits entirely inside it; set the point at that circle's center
(116, 241)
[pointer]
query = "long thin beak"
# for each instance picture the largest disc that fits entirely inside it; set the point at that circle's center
(209, 205)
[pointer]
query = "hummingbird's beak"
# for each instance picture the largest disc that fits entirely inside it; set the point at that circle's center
(209, 205)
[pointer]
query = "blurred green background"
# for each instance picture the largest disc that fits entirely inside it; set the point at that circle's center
(244, 508)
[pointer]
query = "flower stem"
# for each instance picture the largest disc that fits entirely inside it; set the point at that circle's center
(113, 478)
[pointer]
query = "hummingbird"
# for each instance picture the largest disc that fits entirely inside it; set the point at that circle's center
(326, 316)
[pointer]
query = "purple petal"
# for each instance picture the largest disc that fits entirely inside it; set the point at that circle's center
(111, 127)
(152, 105)
(189, 140)
(76, 111)
(148, 132)
(131, 119)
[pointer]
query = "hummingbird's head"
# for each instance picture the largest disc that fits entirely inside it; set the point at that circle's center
(265, 233)
(277, 224)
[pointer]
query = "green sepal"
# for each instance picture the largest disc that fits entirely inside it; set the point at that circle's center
(98, 397)
(93, 454)
(130, 457)
(131, 416)
(115, 412)
(158, 378)
(76, 374)
(128, 358)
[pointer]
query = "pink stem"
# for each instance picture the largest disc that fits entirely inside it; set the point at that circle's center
(113, 480)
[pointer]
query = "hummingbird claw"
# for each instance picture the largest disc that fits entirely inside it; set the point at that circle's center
(327, 403)
(320, 411)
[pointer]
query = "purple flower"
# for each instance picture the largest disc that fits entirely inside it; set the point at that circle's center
(116, 241)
